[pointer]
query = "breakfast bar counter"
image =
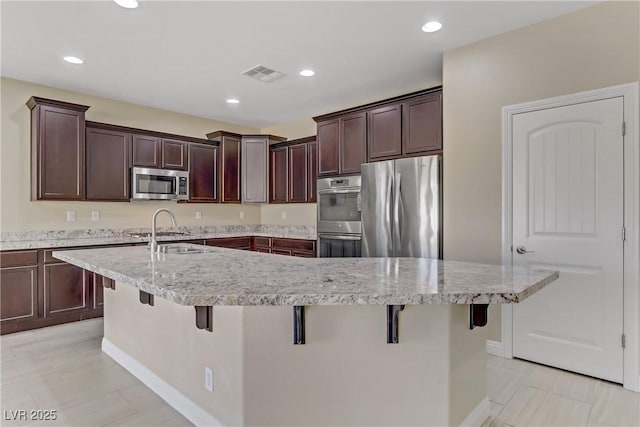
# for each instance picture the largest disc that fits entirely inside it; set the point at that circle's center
(387, 341)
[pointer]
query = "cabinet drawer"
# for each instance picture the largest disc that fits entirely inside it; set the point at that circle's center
(281, 251)
(18, 258)
(305, 245)
(262, 241)
(303, 254)
(263, 250)
(231, 242)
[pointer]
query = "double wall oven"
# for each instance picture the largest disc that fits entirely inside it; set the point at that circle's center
(339, 217)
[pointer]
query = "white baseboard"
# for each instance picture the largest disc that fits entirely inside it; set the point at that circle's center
(495, 348)
(172, 396)
(479, 414)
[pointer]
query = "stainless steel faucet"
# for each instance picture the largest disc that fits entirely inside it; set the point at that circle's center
(153, 244)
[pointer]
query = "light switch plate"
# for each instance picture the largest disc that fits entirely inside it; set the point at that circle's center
(198, 215)
(284, 214)
(95, 215)
(241, 214)
(71, 216)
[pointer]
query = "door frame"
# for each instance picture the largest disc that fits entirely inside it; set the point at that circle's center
(631, 269)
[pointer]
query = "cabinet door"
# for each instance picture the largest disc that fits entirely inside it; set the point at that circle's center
(146, 151)
(353, 142)
(230, 169)
(174, 155)
(298, 173)
(59, 150)
(312, 169)
(18, 293)
(243, 243)
(98, 290)
(108, 154)
(202, 174)
(385, 132)
(65, 289)
(278, 175)
(328, 135)
(422, 124)
(255, 160)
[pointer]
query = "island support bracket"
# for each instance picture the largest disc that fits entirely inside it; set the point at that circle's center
(392, 323)
(298, 324)
(478, 315)
(204, 317)
(146, 298)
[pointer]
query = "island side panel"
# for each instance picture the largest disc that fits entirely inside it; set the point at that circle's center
(164, 338)
(346, 374)
(468, 364)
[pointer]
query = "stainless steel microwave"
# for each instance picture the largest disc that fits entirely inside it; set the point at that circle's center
(159, 184)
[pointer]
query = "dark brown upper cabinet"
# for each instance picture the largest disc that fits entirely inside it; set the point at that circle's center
(229, 165)
(422, 124)
(385, 132)
(108, 160)
(404, 126)
(342, 145)
(175, 155)
(58, 149)
(353, 143)
(312, 169)
(298, 173)
(279, 175)
(328, 134)
(146, 151)
(293, 171)
(202, 173)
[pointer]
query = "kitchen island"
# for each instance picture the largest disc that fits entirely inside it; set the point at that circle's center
(381, 341)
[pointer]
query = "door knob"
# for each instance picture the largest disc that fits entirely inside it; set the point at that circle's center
(522, 250)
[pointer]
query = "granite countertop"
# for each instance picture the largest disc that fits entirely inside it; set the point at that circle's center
(232, 277)
(100, 237)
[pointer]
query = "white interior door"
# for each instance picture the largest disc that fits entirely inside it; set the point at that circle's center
(568, 213)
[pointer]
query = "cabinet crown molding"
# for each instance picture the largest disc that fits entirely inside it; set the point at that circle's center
(35, 101)
(364, 107)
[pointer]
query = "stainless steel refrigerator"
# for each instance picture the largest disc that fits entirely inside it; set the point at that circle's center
(402, 208)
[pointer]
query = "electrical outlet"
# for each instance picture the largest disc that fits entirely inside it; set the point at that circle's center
(284, 214)
(95, 215)
(198, 215)
(208, 379)
(71, 216)
(241, 214)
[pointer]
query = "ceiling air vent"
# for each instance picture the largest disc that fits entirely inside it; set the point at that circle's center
(264, 74)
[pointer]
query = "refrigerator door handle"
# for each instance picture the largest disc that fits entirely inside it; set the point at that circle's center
(397, 226)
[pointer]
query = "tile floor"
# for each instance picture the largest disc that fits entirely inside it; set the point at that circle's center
(63, 368)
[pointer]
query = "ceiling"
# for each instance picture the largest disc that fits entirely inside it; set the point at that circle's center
(187, 56)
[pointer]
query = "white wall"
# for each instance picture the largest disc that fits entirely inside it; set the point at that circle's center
(592, 48)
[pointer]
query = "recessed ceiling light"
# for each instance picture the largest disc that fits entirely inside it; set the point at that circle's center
(307, 73)
(127, 4)
(73, 60)
(232, 101)
(431, 27)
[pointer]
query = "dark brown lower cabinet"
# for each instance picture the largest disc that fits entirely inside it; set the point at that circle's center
(37, 290)
(18, 293)
(65, 289)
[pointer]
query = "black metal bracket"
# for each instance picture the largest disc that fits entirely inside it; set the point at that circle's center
(146, 298)
(478, 315)
(204, 317)
(392, 323)
(298, 324)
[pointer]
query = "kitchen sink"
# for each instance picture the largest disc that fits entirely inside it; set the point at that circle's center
(180, 249)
